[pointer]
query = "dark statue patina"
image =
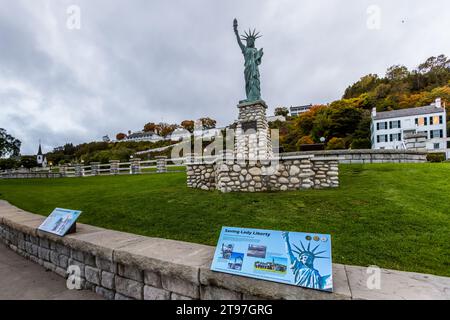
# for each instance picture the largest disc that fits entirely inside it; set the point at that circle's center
(252, 58)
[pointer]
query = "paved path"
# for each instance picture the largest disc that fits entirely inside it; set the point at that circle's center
(21, 279)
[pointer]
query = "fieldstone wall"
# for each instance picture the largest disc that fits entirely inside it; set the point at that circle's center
(201, 176)
(326, 172)
(291, 173)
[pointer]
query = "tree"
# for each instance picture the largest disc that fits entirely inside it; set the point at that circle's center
(120, 136)
(208, 123)
(28, 162)
(165, 129)
(336, 144)
(397, 73)
(282, 111)
(9, 146)
(150, 127)
(188, 125)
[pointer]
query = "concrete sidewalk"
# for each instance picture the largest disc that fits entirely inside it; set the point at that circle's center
(21, 279)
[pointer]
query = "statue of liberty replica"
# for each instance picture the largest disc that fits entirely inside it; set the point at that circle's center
(252, 131)
(252, 58)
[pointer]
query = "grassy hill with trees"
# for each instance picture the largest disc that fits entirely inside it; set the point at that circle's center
(345, 123)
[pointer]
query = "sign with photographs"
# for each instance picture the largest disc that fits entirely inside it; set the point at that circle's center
(60, 221)
(295, 258)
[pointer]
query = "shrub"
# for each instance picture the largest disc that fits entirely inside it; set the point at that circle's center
(336, 144)
(436, 157)
(360, 143)
(305, 140)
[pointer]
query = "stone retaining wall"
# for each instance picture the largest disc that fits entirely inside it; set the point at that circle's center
(367, 156)
(288, 173)
(125, 266)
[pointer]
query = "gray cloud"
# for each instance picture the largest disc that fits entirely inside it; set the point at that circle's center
(139, 61)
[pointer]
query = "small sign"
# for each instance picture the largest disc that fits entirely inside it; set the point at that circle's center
(295, 258)
(60, 221)
(249, 126)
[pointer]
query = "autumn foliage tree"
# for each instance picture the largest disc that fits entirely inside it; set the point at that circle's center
(120, 136)
(150, 127)
(188, 125)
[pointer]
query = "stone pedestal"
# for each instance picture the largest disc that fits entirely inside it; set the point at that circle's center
(95, 166)
(161, 164)
(114, 166)
(135, 167)
(252, 132)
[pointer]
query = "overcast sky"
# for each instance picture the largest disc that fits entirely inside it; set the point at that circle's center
(137, 61)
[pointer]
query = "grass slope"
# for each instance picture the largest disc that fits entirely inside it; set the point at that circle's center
(391, 215)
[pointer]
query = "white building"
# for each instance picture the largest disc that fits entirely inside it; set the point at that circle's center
(389, 128)
(143, 136)
(295, 111)
(179, 133)
(276, 118)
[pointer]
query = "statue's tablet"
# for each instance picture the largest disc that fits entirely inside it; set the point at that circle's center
(296, 258)
(60, 221)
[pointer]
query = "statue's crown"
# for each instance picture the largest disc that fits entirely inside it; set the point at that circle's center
(251, 34)
(312, 253)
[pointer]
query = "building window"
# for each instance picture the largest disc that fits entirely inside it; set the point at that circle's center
(395, 137)
(436, 146)
(436, 134)
(435, 120)
(441, 120)
(382, 138)
(394, 124)
(381, 125)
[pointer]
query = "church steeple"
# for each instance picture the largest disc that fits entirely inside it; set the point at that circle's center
(40, 156)
(40, 149)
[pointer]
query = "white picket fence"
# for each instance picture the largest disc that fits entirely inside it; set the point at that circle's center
(135, 166)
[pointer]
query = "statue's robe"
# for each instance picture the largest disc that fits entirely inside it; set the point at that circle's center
(252, 84)
(306, 276)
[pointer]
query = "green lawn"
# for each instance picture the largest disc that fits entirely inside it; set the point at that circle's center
(391, 215)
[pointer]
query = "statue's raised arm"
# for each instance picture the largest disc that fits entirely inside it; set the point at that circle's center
(236, 32)
(292, 258)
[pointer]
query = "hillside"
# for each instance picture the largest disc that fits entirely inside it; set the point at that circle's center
(345, 123)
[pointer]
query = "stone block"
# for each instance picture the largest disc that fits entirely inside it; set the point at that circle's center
(107, 279)
(92, 274)
(105, 293)
(119, 296)
(131, 272)
(215, 293)
(77, 255)
(63, 261)
(54, 258)
(44, 254)
(61, 249)
(105, 264)
(175, 296)
(180, 286)
(152, 279)
(129, 288)
(152, 293)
